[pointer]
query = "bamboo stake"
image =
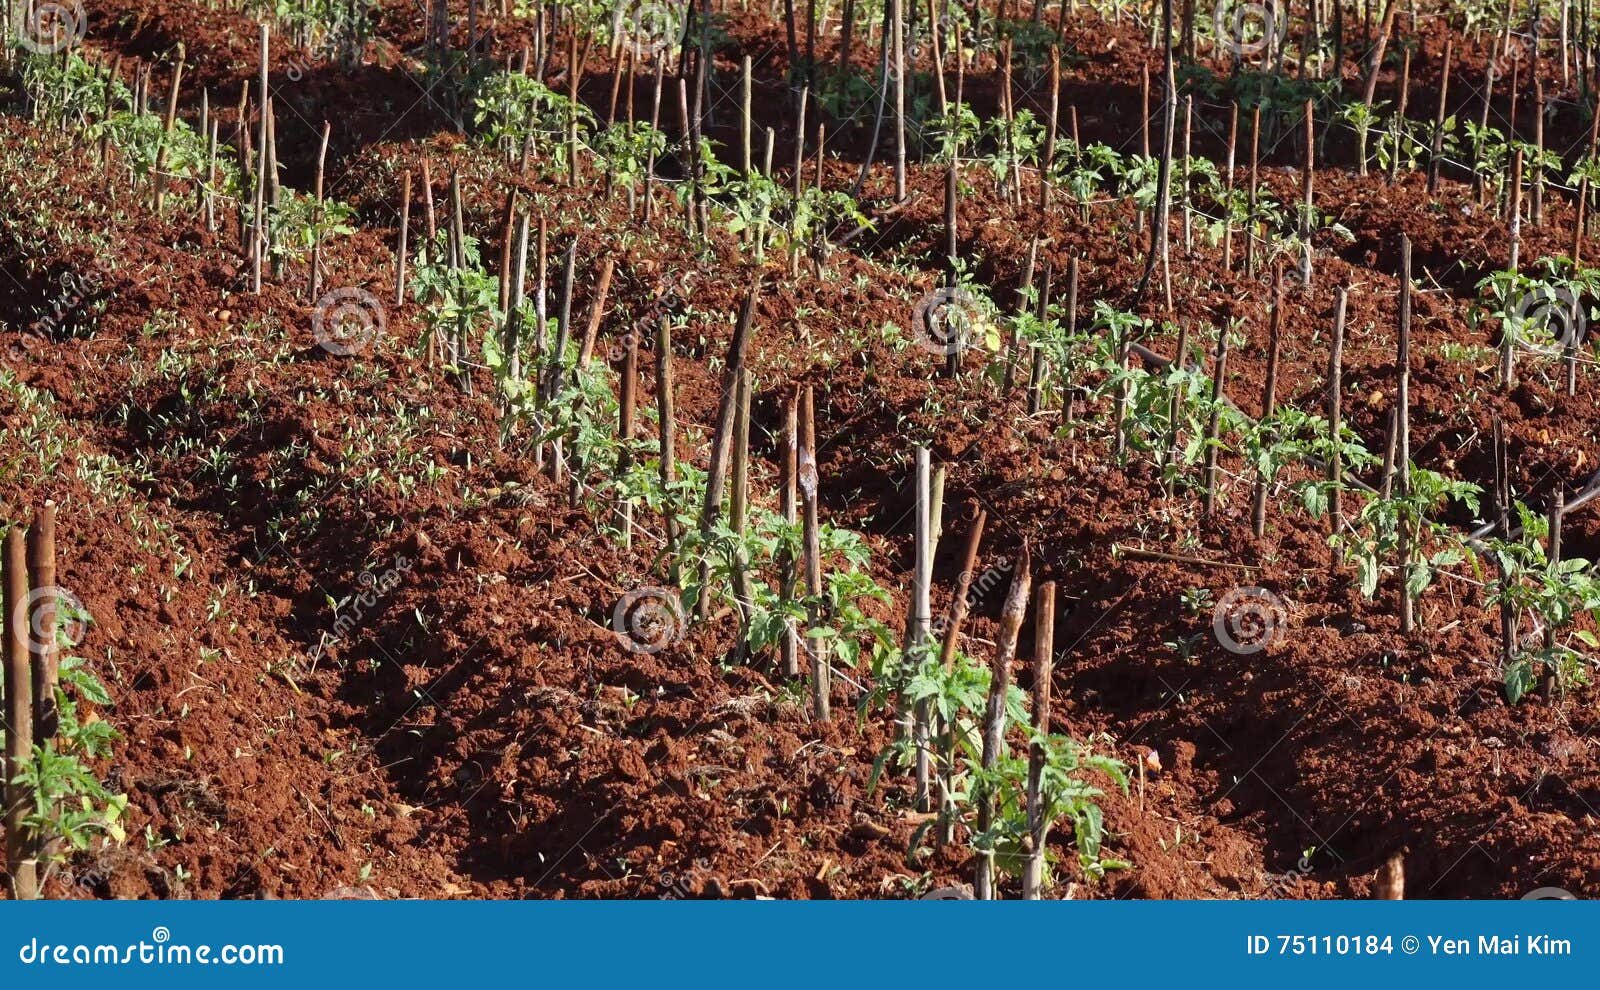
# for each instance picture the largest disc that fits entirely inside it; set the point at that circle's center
(921, 621)
(597, 310)
(1436, 152)
(721, 442)
(1218, 380)
(1335, 413)
(994, 722)
(42, 623)
(316, 245)
(1269, 394)
(954, 618)
(20, 855)
(738, 510)
(1403, 434)
(166, 130)
(788, 486)
(808, 481)
(625, 414)
(1044, 619)
(669, 432)
(405, 231)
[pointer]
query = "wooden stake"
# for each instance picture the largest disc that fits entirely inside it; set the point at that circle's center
(994, 721)
(1403, 433)
(921, 620)
(20, 854)
(1269, 395)
(1044, 624)
(1218, 381)
(1335, 413)
(808, 476)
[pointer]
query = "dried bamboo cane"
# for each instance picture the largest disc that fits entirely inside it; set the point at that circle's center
(1218, 383)
(808, 481)
(44, 656)
(1335, 415)
(788, 574)
(721, 441)
(20, 856)
(665, 414)
(1044, 619)
(920, 624)
(994, 721)
(1402, 434)
(316, 245)
(1269, 395)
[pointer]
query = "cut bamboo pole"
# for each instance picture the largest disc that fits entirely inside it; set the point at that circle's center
(405, 232)
(625, 415)
(1218, 383)
(597, 310)
(808, 481)
(1269, 394)
(739, 507)
(1335, 415)
(1402, 434)
(921, 620)
(994, 716)
(666, 414)
(166, 130)
(20, 856)
(791, 515)
(1044, 625)
(316, 244)
(722, 441)
(44, 659)
(1436, 151)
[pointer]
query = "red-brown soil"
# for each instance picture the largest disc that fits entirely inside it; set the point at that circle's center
(483, 734)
